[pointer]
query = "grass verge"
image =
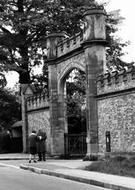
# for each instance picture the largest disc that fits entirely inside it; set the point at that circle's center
(118, 165)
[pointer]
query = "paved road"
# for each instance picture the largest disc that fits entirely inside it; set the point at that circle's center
(14, 178)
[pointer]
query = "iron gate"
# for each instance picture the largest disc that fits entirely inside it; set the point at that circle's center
(75, 145)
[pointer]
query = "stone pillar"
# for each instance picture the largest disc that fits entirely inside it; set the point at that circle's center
(26, 91)
(57, 134)
(94, 47)
(62, 106)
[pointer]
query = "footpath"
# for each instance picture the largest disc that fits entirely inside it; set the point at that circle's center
(73, 170)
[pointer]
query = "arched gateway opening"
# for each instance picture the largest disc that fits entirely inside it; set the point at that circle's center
(86, 52)
(73, 86)
(76, 102)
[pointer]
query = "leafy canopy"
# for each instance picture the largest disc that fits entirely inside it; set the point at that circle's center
(9, 107)
(24, 24)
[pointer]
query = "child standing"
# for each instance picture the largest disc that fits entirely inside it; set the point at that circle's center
(33, 146)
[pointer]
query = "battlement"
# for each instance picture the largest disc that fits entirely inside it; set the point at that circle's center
(116, 81)
(69, 44)
(37, 102)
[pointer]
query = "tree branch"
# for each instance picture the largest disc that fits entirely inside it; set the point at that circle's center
(5, 30)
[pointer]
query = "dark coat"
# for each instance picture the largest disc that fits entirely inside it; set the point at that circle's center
(32, 140)
(41, 141)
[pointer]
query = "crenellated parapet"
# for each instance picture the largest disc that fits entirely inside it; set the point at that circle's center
(116, 81)
(37, 102)
(93, 32)
(69, 44)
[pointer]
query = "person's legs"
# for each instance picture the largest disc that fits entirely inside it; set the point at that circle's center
(39, 156)
(44, 156)
(30, 157)
(34, 158)
(32, 154)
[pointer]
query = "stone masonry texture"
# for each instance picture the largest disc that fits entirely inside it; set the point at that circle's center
(116, 110)
(116, 114)
(40, 120)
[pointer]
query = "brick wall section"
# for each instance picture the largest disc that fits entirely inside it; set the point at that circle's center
(116, 111)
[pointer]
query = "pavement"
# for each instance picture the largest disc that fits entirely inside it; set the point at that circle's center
(73, 170)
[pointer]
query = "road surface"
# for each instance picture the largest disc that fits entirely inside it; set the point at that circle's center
(14, 178)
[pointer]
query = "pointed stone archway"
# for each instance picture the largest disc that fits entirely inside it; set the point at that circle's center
(86, 52)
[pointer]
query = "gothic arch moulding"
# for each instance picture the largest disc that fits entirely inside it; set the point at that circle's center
(65, 67)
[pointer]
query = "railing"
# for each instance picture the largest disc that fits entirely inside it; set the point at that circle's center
(75, 145)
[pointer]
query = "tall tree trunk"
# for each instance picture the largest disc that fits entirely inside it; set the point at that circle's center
(24, 74)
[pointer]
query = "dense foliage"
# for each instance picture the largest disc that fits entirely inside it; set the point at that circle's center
(76, 102)
(3, 80)
(115, 46)
(24, 24)
(9, 109)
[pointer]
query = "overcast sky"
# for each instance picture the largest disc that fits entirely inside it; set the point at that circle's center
(126, 30)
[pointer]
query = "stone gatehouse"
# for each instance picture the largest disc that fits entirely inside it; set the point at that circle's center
(109, 96)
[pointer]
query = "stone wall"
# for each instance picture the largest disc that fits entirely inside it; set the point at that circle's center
(116, 110)
(38, 115)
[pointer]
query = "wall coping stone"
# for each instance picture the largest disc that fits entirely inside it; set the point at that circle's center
(37, 101)
(116, 80)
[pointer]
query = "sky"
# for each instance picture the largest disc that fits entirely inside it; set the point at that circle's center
(127, 28)
(126, 31)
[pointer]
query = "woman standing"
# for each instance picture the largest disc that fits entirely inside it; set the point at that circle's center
(32, 146)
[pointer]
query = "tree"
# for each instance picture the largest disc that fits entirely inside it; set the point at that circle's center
(114, 50)
(24, 24)
(3, 80)
(9, 108)
(40, 81)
